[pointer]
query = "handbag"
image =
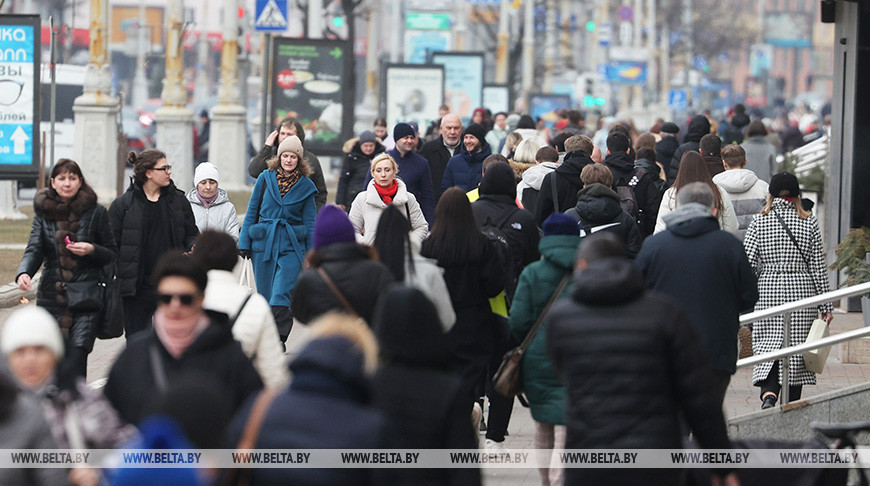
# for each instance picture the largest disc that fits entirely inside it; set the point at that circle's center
(245, 272)
(111, 321)
(85, 295)
(337, 293)
(508, 379)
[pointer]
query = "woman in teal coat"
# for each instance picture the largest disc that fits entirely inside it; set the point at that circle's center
(542, 387)
(276, 233)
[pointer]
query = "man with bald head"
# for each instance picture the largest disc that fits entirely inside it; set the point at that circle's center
(439, 151)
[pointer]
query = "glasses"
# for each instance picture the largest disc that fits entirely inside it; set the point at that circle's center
(185, 299)
(165, 168)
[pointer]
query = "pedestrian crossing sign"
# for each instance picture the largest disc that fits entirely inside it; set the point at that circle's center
(271, 16)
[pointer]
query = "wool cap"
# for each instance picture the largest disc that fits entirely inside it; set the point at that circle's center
(367, 136)
(670, 127)
(560, 224)
(477, 130)
(31, 326)
(784, 184)
(206, 170)
(512, 120)
(402, 130)
(332, 226)
(291, 144)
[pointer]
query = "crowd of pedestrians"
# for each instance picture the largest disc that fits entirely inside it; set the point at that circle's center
(436, 259)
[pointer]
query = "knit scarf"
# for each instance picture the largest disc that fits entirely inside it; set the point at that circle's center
(387, 193)
(177, 335)
(286, 180)
(206, 201)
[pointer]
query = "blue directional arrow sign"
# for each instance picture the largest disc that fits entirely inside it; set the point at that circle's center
(19, 85)
(270, 16)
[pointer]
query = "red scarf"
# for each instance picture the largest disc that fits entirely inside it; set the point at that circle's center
(387, 193)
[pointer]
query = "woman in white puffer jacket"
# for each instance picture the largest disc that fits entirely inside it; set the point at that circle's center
(211, 205)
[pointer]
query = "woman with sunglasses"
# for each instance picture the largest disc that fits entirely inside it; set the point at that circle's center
(152, 217)
(71, 236)
(185, 343)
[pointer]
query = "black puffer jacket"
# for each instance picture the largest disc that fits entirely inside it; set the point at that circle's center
(437, 154)
(356, 275)
(698, 127)
(82, 219)
(566, 177)
(645, 190)
(613, 343)
(665, 150)
(353, 174)
(598, 205)
(127, 215)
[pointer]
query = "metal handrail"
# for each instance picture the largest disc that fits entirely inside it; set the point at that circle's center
(786, 310)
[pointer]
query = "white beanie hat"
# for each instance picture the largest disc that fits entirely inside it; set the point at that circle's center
(206, 170)
(31, 326)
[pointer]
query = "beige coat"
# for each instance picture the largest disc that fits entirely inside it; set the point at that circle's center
(365, 212)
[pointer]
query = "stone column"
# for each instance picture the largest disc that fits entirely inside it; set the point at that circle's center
(227, 149)
(96, 112)
(174, 119)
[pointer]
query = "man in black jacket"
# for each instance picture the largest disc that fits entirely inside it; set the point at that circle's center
(706, 270)
(699, 126)
(439, 151)
(290, 126)
(666, 147)
(559, 189)
(641, 182)
(631, 365)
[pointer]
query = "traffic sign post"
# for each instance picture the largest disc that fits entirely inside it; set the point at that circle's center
(19, 96)
(270, 16)
(678, 99)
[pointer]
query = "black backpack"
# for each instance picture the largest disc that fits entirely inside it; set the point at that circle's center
(508, 247)
(628, 196)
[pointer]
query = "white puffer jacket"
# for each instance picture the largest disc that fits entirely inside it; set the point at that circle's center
(727, 217)
(748, 193)
(220, 216)
(365, 212)
(428, 278)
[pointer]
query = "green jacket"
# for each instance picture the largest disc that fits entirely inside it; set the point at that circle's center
(537, 283)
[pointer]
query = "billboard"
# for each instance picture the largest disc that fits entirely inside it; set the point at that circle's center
(312, 81)
(626, 72)
(413, 93)
(788, 29)
(463, 85)
(420, 43)
(497, 97)
(545, 105)
(19, 96)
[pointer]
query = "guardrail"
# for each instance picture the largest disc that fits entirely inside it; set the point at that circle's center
(786, 311)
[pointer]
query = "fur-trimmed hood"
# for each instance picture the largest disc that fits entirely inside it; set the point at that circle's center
(520, 168)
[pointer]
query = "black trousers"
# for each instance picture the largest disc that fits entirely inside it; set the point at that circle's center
(283, 320)
(139, 311)
(500, 406)
(771, 384)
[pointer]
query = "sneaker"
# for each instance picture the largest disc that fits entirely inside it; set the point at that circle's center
(492, 445)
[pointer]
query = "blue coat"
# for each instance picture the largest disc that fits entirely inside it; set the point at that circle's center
(465, 169)
(278, 234)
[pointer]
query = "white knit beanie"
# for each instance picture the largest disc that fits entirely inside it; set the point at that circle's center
(31, 326)
(206, 170)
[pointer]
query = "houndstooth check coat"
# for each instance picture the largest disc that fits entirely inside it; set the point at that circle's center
(784, 277)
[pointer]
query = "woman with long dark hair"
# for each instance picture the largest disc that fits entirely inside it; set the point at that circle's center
(693, 168)
(473, 273)
(72, 237)
(152, 217)
(784, 246)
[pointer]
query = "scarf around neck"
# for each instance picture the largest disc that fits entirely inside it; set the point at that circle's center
(287, 180)
(387, 193)
(177, 336)
(206, 201)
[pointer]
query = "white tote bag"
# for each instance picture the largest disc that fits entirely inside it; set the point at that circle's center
(815, 360)
(245, 273)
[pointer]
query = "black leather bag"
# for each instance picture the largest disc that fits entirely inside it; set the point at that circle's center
(84, 296)
(111, 322)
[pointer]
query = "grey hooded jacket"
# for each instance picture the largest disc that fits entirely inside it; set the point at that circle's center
(220, 216)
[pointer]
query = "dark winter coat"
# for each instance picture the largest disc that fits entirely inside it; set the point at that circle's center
(653, 168)
(706, 270)
(598, 205)
(566, 177)
(417, 390)
(734, 131)
(698, 127)
(127, 216)
(81, 219)
(325, 407)
(213, 355)
(437, 154)
(538, 281)
(414, 172)
(665, 151)
(258, 165)
(645, 189)
(465, 169)
(353, 174)
(631, 366)
(356, 275)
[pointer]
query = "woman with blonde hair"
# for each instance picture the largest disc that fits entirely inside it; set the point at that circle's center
(784, 246)
(385, 189)
(510, 144)
(524, 158)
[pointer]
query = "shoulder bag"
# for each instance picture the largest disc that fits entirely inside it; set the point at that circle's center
(508, 379)
(814, 361)
(250, 434)
(111, 322)
(336, 292)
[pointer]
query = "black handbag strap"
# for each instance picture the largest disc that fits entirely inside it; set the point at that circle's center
(336, 292)
(555, 193)
(241, 308)
(158, 370)
(527, 341)
(794, 240)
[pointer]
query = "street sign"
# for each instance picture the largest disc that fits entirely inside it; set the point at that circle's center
(270, 16)
(678, 99)
(19, 96)
(427, 21)
(605, 34)
(625, 13)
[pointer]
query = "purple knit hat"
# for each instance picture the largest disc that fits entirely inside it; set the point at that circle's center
(332, 226)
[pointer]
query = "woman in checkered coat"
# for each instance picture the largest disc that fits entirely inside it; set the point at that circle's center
(786, 272)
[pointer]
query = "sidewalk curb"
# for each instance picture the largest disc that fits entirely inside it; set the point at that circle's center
(10, 294)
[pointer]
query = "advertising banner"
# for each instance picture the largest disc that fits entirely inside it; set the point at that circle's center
(788, 29)
(19, 99)
(313, 82)
(626, 72)
(545, 106)
(463, 85)
(420, 43)
(413, 93)
(497, 97)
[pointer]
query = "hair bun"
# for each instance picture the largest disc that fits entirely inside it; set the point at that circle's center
(131, 158)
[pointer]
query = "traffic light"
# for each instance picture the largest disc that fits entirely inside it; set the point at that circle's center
(590, 26)
(338, 21)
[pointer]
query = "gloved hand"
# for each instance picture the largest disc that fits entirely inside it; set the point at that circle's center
(246, 254)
